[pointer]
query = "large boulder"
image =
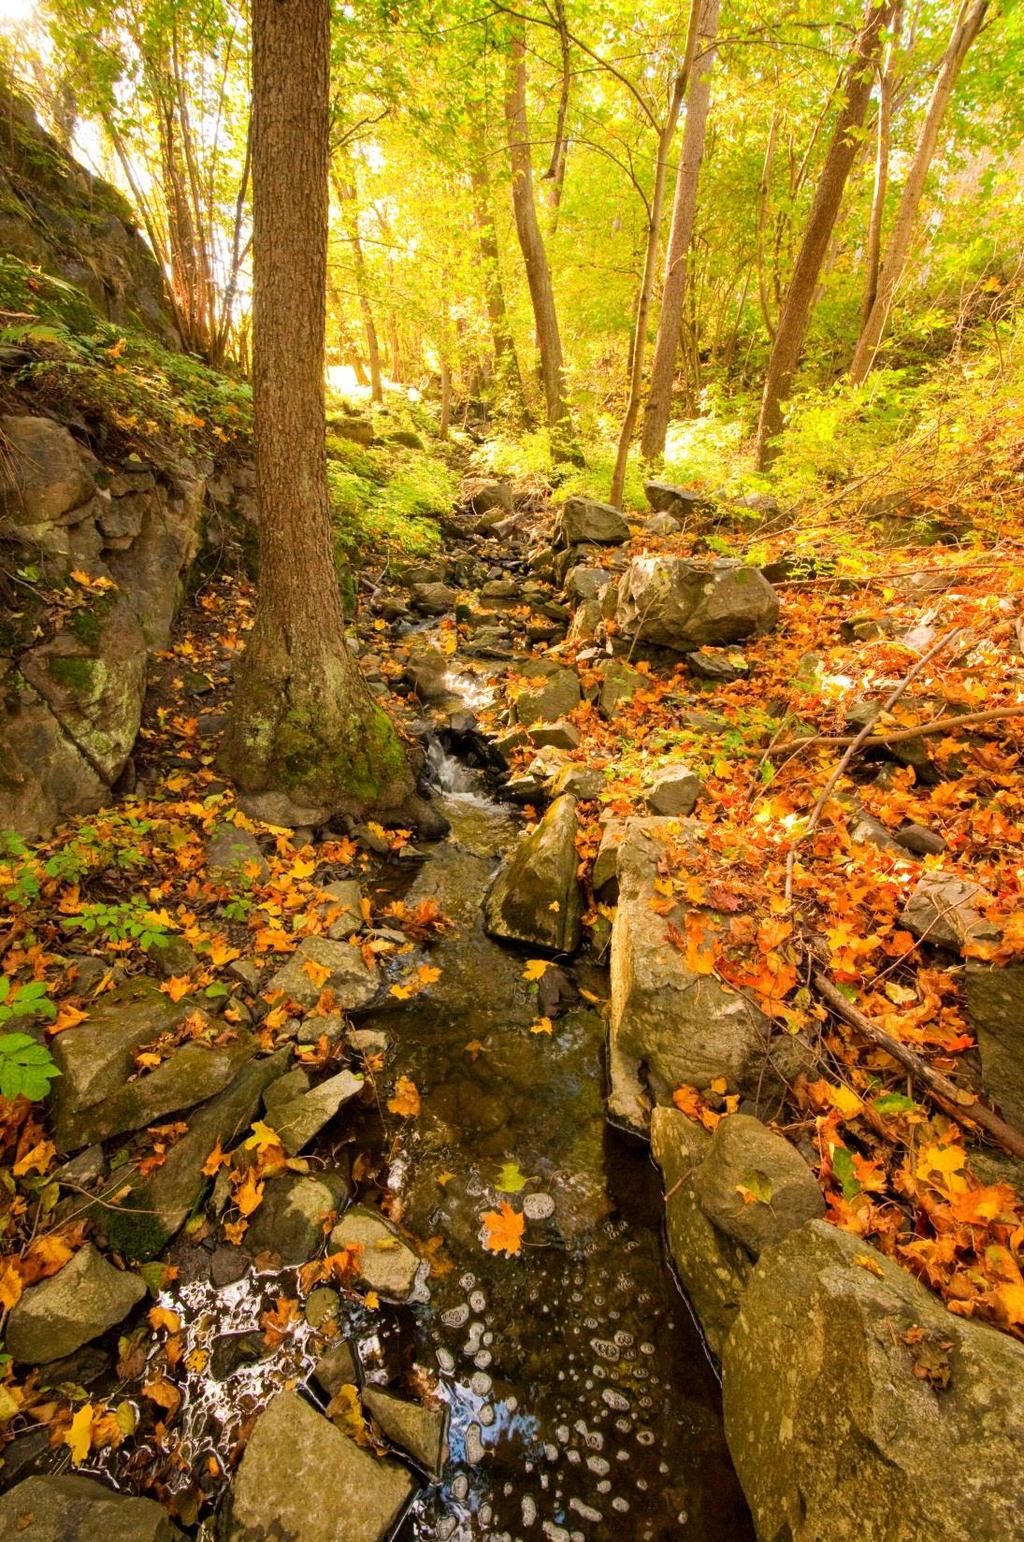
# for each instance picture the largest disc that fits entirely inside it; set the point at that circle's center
(583, 521)
(995, 1010)
(76, 1509)
(667, 498)
(297, 1117)
(672, 1024)
(95, 1058)
(320, 964)
(544, 693)
(301, 1480)
(138, 1215)
(947, 911)
(713, 1268)
(754, 1186)
(857, 1406)
(44, 479)
(677, 603)
(78, 1303)
(535, 896)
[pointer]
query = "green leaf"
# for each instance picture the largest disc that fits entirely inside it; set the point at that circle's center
(510, 1179)
(755, 1188)
(842, 1166)
(26, 1068)
(894, 1103)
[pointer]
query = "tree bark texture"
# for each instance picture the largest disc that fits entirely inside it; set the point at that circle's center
(303, 723)
(684, 213)
(965, 29)
(531, 240)
(796, 311)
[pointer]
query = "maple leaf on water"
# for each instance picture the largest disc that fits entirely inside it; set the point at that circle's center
(406, 1099)
(503, 1229)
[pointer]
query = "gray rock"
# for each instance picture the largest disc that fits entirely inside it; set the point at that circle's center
(713, 1268)
(289, 1221)
(663, 524)
(301, 1480)
(277, 808)
(387, 1264)
(675, 790)
(995, 1010)
(920, 840)
(432, 599)
(494, 495)
(418, 1430)
(72, 1307)
(338, 1368)
(298, 1119)
(559, 735)
(95, 1057)
(683, 605)
(841, 1429)
(619, 682)
(681, 1026)
(427, 673)
(357, 430)
(158, 1205)
(585, 583)
(946, 910)
(582, 782)
(545, 694)
(605, 873)
(585, 520)
(74, 1509)
(190, 1074)
(722, 665)
(353, 981)
(44, 480)
(535, 896)
(586, 622)
(234, 855)
(346, 898)
(754, 1186)
(171, 956)
(666, 498)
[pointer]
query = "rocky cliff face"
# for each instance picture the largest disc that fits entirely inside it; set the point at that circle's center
(108, 472)
(56, 216)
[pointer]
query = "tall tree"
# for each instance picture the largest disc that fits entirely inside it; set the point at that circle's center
(303, 724)
(791, 332)
(966, 27)
(506, 361)
(684, 212)
(531, 239)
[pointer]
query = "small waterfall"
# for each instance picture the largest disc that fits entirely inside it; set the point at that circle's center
(449, 775)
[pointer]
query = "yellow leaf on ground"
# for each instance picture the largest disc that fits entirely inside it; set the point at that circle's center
(249, 1193)
(78, 1435)
(215, 1161)
(177, 986)
(262, 1136)
(542, 1025)
(503, 1229)
(406, 1100)
(36, 1160)
(318, 973)
(536, 968)
(161, 1317)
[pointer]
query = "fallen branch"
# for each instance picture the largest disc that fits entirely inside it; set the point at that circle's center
(938, 725)
(961, 1103)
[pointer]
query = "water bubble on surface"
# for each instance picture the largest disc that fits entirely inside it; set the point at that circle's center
(456, 1317)
(482, 1359)
(486, 1415)
(446, 1360)
(460, 1487)
(538, 1207)
(480, 1383)
(529, 1509)
(586, 1511)
(474, 1445)
(645, 1437)
(478, 1301)
(467, 1281)
(614, 1399)
(598, 1465)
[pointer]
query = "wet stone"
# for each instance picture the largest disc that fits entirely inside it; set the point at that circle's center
(81, 1301)
(352, 981)
(302, 1480)
(289, 1221)
(338, 1368)
(78, 1509)
(418, 1430)
(386, 1264)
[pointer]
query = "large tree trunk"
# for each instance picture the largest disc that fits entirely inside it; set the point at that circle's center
(796, 312)
(965, 30)
(684, 213)
(531, 241)
(886, 92)
(304, 736)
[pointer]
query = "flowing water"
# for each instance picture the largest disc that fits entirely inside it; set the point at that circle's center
(582, 1404)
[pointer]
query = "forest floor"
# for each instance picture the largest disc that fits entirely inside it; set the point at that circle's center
(795, 873)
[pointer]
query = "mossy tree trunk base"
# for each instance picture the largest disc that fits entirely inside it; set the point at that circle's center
(311, 730)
